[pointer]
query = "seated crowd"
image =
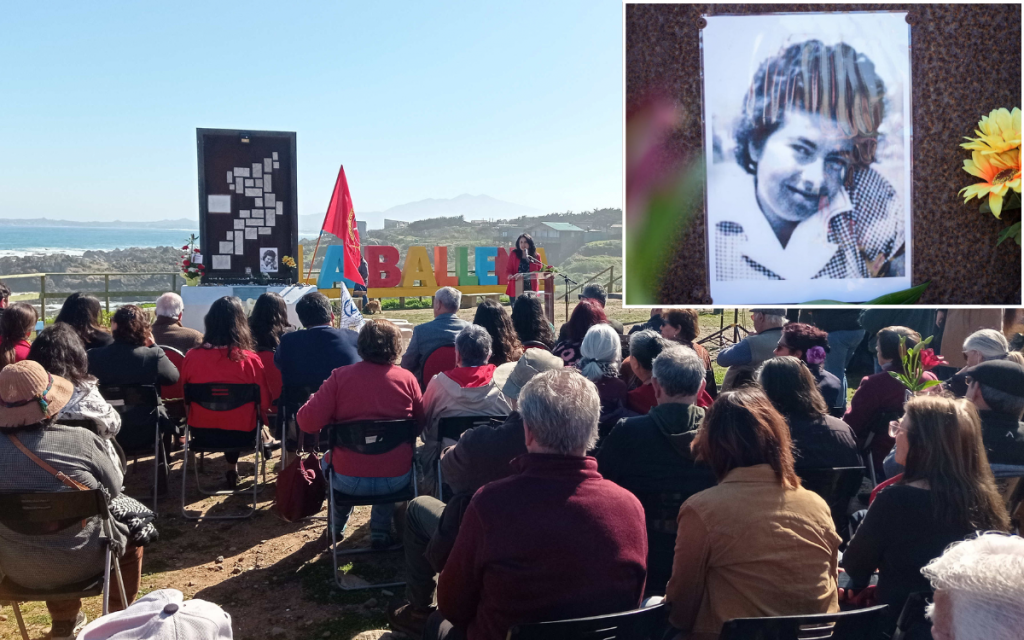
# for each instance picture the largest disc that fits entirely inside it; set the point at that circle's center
(591, 481)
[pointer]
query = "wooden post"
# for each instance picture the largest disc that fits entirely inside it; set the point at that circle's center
(106, 289)
(42, 297)
(401, 303)
(174, 282)
(611, 278)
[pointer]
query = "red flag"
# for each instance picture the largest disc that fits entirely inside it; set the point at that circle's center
(341, 221)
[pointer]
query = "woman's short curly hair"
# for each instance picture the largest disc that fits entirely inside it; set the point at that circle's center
(380, 342)
(804, 336)
(131, 325)
(833, 81)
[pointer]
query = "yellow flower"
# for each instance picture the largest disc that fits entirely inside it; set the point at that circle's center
(997, 132)
(288, 261)
(1000, 172)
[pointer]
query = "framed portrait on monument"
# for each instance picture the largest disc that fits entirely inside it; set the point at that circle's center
(248, 213)
(808, 150)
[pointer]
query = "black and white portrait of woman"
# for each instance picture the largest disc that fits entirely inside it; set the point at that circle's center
(268, 260)
(808, 156)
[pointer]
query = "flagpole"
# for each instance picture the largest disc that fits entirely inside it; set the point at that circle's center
(308, 273)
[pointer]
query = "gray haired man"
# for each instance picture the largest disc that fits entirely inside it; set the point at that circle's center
(744, 357)
(439, 332)
(167, 328)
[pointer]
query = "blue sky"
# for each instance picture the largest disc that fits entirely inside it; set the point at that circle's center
(521, 101)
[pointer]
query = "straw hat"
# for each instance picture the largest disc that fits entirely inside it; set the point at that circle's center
(28, 394)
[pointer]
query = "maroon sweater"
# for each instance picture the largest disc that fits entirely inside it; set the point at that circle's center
(554, 541)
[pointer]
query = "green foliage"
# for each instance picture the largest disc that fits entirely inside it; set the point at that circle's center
(906, 296)
(1012, 231)
(410, 303)
(437, 223)
(601, 248)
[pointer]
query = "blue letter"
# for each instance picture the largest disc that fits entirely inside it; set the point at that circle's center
(485, 257)
(333, 269)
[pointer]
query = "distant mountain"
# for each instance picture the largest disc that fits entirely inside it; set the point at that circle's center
(180, 223)
(472, 207)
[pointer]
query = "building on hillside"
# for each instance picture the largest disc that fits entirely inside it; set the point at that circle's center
(559, 239)
(395, 224)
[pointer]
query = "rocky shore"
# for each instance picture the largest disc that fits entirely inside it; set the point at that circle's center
(128, 261)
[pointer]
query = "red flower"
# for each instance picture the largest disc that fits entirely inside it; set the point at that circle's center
(184, 248)
(929, 360)
(186, 263)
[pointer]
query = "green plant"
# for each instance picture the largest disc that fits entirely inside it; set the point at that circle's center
(917, 360)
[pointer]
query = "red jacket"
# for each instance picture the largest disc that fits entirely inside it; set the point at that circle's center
(512, 268)
(877, 393)
(554, 541)
(273, 377)
(365, 391)
(213, 365)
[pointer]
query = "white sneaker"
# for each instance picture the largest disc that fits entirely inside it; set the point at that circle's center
(68, 629)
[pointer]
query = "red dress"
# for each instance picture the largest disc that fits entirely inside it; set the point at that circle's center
(512, 268)
(212, 364)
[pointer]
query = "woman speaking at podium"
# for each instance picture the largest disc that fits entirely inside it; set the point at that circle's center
(522, 260)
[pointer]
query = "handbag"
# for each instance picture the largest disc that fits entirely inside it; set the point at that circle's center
(301, 488)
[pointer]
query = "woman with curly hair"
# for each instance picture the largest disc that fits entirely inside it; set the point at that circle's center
(586, 314)
(810, 345)
(505, 345)
(946, 494)
(82, 312)
(133, 358)
(531, 324)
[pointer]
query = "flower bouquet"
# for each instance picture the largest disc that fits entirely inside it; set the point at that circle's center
(191, 262)
(995, 158)
(917, 360)
(289, 263)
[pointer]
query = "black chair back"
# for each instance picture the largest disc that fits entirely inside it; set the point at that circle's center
(126, 396)
(453, 427)
(372, 437)
(912, 624)
(845, 625)
(293, 397)
(35, 514)
(836, 486)
(139, 408)
(640, 624)
(215, 396)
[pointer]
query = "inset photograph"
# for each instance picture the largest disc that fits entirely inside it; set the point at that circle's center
(781, 156)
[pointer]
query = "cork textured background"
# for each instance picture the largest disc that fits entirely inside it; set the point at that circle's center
(965, 61)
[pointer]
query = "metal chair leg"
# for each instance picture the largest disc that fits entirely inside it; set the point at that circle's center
(21, 621)
(256, 486)
(106, 579)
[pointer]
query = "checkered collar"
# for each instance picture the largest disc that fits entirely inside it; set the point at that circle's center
(808, 250)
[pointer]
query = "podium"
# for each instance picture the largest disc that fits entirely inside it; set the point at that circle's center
(547, 296)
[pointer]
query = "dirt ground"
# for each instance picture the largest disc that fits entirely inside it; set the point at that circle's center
(273, 577)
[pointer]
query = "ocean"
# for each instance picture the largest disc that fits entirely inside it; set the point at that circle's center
(29, 240)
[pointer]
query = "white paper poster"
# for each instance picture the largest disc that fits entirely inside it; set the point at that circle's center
(239, 223)
(268, 260)
(250, 233)
(267, 183)
(249, 182)
(280, 208)
(259, 202)
(253, 193)
(257, 170)
(242, 171)
(277, 165)
(218, 204)
(239, 243)
(274, 155)
(225, 247)
(239, 185)
(264, 231)
(270, 199)
(253, 222)
(231, 236)
(266, 164)
(808, 153)
(230, 179)
(271, 219)
(222, 263)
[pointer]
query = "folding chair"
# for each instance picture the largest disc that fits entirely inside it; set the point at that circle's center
(139, 408)
(452, 428)
(845, 625)
(879, 425)
(836, 486)
(640, 624)
(223, 397)
(368, 437)
(43, 514)
(661, 510)
(288, 404)
(173, 395)
(440, 360)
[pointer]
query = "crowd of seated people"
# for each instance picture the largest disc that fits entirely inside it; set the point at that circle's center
(597, 482)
